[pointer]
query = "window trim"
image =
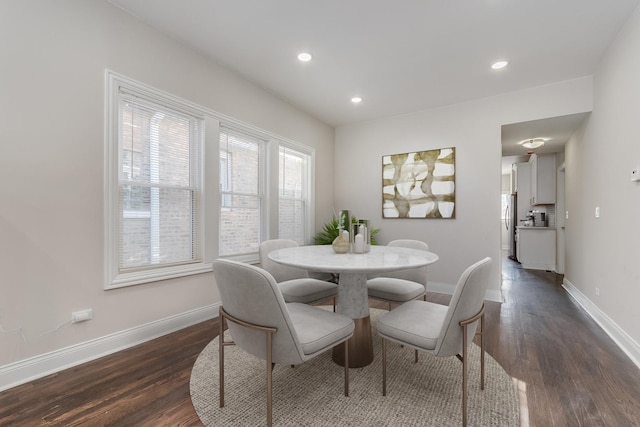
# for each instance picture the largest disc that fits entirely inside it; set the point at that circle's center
(270, 223)
(210, 172)
(113, 278)
(262, 195)
(310, 190)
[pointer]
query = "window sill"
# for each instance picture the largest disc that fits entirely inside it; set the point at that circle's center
(140, 277)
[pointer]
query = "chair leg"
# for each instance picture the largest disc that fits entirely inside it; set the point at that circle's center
(415, 356)
(464, 376)
(221, 361)
(269, 382)
(384, 367)
(482, 352)
(346, 368)
(334, 304)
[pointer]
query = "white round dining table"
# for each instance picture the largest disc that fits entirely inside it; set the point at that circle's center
(353, 269)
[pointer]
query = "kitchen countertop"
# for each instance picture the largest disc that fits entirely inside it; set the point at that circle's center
(527, 227)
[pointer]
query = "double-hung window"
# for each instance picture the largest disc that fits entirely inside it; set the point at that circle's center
(154, 178)
(164, 160)
(265, 191)
(242, 183)
(293, 193)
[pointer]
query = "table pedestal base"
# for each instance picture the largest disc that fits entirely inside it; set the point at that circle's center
(360, 345)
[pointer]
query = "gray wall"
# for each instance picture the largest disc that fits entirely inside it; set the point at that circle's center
(54, 55)
(474, 128)
(603, 253)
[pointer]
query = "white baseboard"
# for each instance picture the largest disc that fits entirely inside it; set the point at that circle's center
(617, 334)
(33, 368)
(447, 289)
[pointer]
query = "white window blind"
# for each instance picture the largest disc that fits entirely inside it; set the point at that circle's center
(158, 185)
(242, 194)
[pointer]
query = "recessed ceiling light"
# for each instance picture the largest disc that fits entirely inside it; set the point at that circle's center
(532, 143)
(304, 57)
(499, 64)
(356, 100)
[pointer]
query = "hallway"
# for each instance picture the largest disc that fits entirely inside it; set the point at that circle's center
(574, 374)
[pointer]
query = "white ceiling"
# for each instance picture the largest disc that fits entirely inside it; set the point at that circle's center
(400, 56)
(556, 131)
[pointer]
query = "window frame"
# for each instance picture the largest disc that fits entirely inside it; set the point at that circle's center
(113, 277)
(270, 178)
(263, 195)
(307, 191)
(210, 206)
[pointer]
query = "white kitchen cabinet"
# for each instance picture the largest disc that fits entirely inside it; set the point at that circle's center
(522, 178)
(536, 248)
(543, 179)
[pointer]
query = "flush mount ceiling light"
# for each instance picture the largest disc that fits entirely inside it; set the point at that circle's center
(532, 143)
(499, 64)
(304, 57)
(356, 100)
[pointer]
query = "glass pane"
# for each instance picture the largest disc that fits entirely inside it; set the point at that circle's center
(240, 163)
(291, 220)
(293, 168)
(156, 226)
(154, 145)
(239, 225)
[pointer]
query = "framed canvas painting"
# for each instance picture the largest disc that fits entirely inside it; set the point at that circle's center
(420, 184)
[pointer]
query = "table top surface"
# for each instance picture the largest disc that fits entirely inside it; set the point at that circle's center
(379, 259)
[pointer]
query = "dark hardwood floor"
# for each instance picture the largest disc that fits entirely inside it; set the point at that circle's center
(570, 371)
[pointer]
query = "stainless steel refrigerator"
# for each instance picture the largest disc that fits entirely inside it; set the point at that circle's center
(510, 221)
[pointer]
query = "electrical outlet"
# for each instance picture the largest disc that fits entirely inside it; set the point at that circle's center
(82, 315)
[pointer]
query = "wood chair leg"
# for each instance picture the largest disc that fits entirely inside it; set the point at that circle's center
(415, 359)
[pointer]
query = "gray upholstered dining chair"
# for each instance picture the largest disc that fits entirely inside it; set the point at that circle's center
(400, 286)
(262, 324)
(295, 283)
(440, 330)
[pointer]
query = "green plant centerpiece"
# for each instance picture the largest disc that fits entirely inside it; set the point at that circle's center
(330, 231)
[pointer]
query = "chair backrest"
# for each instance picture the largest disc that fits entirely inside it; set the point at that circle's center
(251, 294)
(280, 272)
(419, 274)
(466, 302)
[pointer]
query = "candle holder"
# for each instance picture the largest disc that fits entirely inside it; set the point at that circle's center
(360, 237)
(344, 220)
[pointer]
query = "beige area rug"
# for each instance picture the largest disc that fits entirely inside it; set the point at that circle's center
(312, 394)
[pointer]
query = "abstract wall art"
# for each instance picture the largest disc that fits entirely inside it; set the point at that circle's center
(420, 184)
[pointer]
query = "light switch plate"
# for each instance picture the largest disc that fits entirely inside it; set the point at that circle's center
(597, 211)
